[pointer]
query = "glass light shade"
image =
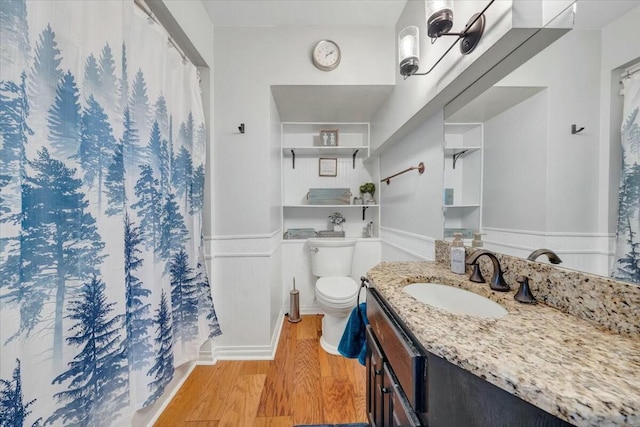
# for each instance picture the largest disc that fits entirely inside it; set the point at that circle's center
(409, 50)
(439, 15)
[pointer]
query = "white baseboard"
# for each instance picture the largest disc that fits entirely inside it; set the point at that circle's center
(251, 352)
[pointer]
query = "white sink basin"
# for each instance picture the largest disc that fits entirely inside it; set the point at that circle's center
(455, 300)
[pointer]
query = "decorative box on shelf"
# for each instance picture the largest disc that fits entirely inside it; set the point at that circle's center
(330, 233)
(467, 233)
(300, 233)
(329, 196)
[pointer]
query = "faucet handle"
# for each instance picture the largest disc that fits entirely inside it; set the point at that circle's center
(524, 294)
(476, 276)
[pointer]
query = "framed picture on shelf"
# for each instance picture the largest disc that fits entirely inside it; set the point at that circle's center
(328, 167)
(328, 138)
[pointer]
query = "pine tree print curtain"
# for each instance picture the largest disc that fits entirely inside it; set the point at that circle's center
(103, 287)
(627, 259)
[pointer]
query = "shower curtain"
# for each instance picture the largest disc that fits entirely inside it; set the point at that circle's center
(103, 286)
(627, 257)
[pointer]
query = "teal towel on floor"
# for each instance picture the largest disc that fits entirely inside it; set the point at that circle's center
(353, 343)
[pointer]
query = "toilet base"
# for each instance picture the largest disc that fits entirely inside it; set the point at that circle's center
(332, 329)
(328, 347)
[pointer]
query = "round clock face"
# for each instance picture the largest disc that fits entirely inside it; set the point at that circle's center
(326, 55)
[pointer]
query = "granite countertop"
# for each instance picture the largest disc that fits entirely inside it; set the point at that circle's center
(571, 368)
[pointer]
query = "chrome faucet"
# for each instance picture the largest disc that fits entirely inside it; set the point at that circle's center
(497, 281)
(553, 257)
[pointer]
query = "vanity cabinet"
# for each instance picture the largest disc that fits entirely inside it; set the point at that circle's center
(349, 167)
(408, 386)
(396, 371)
(463, 155)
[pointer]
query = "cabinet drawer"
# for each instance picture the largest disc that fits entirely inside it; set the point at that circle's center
(406, 360)
(401, 413)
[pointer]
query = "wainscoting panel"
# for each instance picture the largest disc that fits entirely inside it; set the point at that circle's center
(398, 245)
(589, 252)
(245, 280)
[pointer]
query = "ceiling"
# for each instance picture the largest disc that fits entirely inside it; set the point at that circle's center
(591, 14)
(358, 102)
(346, 103)
(596, 14)
(270, 13)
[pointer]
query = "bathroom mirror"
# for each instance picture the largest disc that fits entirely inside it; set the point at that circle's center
(550, 137)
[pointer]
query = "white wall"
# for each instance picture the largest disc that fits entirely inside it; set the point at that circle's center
(570, 69)
(618, 51)
(250, 286)
(411, 208)
(515, 164)
(581, 72)
(250, 60)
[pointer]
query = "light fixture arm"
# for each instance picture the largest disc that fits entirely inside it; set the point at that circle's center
(474, 28)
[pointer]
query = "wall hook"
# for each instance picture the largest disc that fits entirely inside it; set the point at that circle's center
(575, 130)
(241, 128)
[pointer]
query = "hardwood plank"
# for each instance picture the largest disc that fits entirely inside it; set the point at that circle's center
(306, 329)
(303, 385)
(337, 400)
(278, 387)
(357, 376)
(199, 424)
(360, 405)
(307, 399)
(319, 324)
(332, 365)
(273, 422)
(252, 367)
(209, 402)
(182, 401)
(242, 404)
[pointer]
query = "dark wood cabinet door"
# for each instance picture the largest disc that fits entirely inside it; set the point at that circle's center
(374, 364)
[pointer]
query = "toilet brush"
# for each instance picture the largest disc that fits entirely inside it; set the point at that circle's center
(294, 304)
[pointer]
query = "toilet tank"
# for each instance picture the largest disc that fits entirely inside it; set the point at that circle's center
(331, 257)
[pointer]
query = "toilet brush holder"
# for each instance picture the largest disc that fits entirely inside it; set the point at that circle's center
(294, 304)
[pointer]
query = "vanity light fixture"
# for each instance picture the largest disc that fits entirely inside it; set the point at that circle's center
(439, 14)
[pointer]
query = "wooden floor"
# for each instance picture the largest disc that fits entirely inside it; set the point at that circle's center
(303, 385)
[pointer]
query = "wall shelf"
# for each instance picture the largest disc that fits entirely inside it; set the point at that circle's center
(299, 145)
(330, 206)
(322, 152)
(463, 155)
(466, 206)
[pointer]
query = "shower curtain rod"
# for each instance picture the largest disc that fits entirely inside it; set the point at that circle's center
(143, 7)
(630, 71)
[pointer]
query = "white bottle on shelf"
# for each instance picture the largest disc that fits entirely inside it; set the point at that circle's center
(457, 255)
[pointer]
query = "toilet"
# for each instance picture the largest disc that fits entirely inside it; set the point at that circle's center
(336, 292)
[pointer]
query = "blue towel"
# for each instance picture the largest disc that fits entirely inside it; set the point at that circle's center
(353, 343)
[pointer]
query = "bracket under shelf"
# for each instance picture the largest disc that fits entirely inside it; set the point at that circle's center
(457, 155)
(306, 152)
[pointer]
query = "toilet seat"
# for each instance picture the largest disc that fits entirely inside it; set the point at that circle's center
(337, 290)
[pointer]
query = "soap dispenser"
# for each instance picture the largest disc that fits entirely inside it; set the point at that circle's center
(477, 240)
(457, 255)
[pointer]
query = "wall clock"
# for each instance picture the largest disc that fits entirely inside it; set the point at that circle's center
(326, 55)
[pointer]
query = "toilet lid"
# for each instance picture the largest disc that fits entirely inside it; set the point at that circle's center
(337, 288)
